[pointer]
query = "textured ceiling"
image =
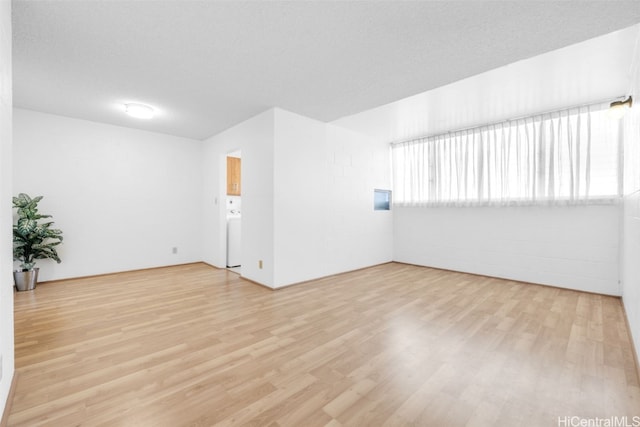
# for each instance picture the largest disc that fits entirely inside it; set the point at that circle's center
(598, 69)
(206, 66)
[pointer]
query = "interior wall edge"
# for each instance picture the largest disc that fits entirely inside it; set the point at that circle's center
(510, 279)
(574, 247)
(7, 132)
(90, 276)
(631, 340)
(329, 276)
(7, 406)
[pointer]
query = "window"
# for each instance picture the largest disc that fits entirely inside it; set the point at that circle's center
(569, 156)
(381, 200)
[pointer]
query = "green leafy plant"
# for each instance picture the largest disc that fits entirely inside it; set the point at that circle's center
(32, 239)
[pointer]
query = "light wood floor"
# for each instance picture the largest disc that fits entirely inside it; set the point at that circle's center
(389, 345)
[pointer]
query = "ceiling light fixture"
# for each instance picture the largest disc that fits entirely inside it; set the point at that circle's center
(139, 111)
(618, 109)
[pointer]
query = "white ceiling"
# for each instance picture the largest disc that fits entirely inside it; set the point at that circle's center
(597, 69)
(206, 66)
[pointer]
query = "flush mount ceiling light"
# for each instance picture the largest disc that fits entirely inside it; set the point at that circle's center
(139, 111)
(618, 109)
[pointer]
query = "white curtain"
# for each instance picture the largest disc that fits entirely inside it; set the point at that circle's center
(569, 156)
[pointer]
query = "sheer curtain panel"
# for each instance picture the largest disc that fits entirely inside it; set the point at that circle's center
(565, 157)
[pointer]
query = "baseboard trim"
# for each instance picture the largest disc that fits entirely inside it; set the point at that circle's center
(262, 285)
(507, 279)
(7, 407)
(317, 278)
(322, 277)
(48, 282)
(633, 344)
(207, 264)
(91, 276)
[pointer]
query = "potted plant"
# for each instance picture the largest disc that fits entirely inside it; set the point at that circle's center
(32, 240)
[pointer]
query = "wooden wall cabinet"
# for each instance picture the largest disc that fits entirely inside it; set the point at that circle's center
(234, 180)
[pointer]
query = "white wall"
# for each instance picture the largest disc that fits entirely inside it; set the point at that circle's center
(630, 262)
(122, 197)
(6, 257)
(574, 247)
(254, 137)
(630, 273)
(324, 218)
(307, 199)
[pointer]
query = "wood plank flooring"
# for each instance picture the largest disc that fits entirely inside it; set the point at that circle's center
(387, 346)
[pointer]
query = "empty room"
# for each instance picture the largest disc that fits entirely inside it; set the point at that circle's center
(319, 213)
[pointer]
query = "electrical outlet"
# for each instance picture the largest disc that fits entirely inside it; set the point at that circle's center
(174, 250)
(260, 264)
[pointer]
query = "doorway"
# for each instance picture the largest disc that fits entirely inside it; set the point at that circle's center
(234, 211)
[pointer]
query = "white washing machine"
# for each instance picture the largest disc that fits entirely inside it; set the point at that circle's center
(234, 233)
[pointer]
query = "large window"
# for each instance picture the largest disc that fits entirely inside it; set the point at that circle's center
(569, 156)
